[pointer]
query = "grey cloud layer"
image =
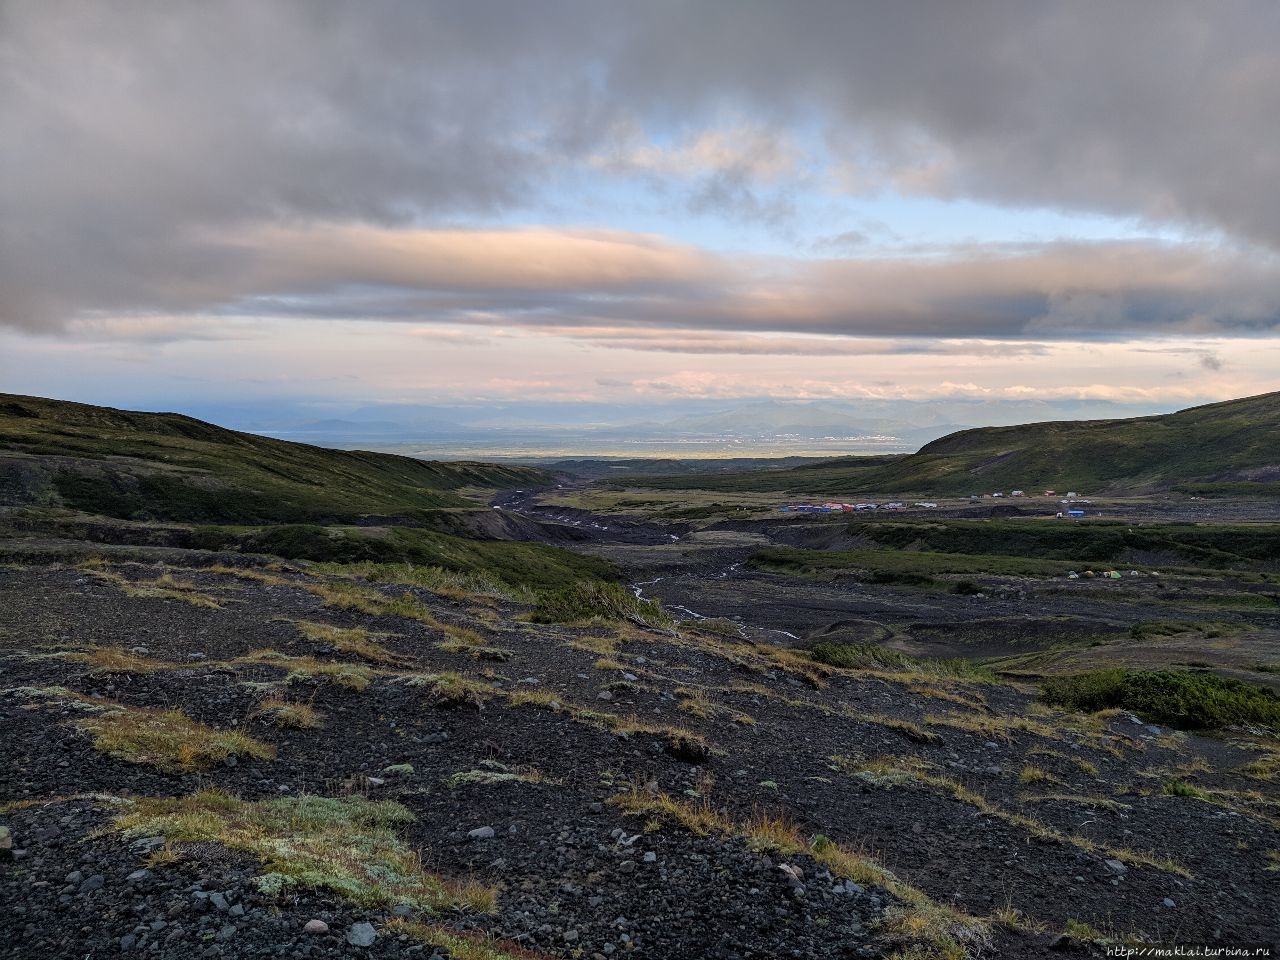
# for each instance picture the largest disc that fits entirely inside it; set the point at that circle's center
(148, 148)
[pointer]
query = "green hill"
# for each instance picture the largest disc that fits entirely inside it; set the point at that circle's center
(164, 466)
(70, 471)
(1231, 447)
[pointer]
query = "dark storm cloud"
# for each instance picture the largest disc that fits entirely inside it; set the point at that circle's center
(146, 146)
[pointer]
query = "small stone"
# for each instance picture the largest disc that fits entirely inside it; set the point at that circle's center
(236, 911)
(316, 926)
(480, 833)
(532, 681)
(375, 781)
(571, 936)
(1115, 866)
(650, 857)
(402, 910)
(604, 695)
(75, 876)
(138, 875)
(219, 901)
(227, 931)
(127, 941)
(627, 866)
(630, 677)
(1168, 903)
(361, 935)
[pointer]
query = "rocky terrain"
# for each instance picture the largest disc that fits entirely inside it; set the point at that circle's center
(244, 760)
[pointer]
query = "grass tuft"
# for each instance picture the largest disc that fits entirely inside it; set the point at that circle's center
(356, 641)
(288, 713)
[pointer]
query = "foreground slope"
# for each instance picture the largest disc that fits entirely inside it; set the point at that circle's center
(202, 761)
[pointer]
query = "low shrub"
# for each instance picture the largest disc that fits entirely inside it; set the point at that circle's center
(1189, 701)
(587, 601)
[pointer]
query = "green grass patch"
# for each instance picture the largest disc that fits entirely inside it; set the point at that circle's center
(347, 845)
(1190, 701)
(588, 601)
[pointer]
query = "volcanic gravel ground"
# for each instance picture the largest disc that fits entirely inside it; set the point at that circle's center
(576, 876)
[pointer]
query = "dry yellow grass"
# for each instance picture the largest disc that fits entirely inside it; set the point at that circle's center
(940, 932)
(166, 739)
(289, 713)
(356, 641)
(462, 946)
(352, 676)
(164, 587)
(899, 772)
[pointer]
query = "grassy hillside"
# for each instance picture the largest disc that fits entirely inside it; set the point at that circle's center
(1231, 447)
(73, 471)
(163, 466)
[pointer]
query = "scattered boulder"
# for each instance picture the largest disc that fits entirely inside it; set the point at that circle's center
(480, 833)
(361, 934)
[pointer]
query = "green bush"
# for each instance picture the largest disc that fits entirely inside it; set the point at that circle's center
(1189, 701)
(868, 656)
(588, 601)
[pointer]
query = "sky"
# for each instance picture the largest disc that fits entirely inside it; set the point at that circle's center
(396, 201)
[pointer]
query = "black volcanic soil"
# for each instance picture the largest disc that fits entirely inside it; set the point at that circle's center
(569, 884)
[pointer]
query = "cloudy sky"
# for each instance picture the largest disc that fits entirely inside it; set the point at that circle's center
(634, 202)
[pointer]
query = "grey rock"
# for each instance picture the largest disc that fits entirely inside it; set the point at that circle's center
(139, 875)
(96, 882)
(1168, 903)
(219, 901)
(226, 932)
(128, 941)
(604, 695)
(402, 910)
(316, 926)
(75, 876)
(571, 936)
(650, 857)
(627, 866)
(1115, 866)
(480, 833)
(361, 935)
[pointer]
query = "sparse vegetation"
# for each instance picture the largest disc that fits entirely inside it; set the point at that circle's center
(356, 641)
(462, 946)
(352, 676)
(347, 845)
(166, 739)
(943, 931)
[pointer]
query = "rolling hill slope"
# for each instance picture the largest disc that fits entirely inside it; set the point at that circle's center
(1222, 447)
(165, 466)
